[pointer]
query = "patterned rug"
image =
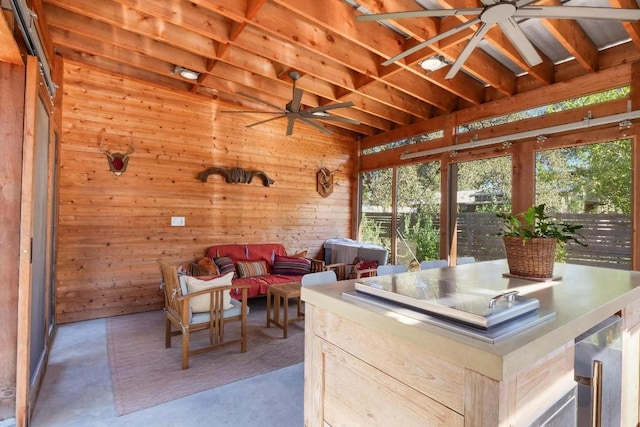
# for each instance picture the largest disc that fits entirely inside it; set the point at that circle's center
(144, 373)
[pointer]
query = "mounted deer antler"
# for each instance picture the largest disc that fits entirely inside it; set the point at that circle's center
(117, 161)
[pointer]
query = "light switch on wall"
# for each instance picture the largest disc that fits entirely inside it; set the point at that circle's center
(177, 221)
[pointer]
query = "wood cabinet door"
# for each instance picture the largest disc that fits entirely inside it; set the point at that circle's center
(356, 393)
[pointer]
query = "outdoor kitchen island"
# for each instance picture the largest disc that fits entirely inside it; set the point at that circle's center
(368, 365)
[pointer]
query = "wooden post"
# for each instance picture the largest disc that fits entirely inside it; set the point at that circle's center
(26, 232)
(11, 134)
(635, 169)
(522, 176)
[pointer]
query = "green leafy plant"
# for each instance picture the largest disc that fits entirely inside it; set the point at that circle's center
(534, 223)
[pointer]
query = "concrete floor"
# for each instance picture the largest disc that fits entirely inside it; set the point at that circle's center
(77, 392)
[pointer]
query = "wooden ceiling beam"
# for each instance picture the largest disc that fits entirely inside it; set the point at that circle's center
(120, 15)
(340, 21)
(173, 56)
(492, 72)
(573, 38)
(233, 10)
(632, 28)
(309, 35)
(68, 21)
(259, 43)
(9, 50)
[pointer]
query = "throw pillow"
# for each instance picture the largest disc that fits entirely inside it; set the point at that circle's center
(361, 264)
(208, 263)
(225, 265)
(201, 304)
(291, 265)
(252, 268)
(301, 254)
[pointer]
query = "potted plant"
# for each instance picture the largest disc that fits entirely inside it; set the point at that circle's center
(530, 240)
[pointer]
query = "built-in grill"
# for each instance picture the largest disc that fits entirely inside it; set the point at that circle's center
(482, 313)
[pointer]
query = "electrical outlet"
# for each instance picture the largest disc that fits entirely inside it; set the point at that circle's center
(177, 221)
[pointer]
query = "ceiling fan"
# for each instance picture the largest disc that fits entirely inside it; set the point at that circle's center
(503, 13)
(293, 110)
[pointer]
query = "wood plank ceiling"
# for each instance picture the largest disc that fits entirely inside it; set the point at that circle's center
(249, 46)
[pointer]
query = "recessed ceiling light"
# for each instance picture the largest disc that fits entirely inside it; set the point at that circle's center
(434, 63)
(185, 73)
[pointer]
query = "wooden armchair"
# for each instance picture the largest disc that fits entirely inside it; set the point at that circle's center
(178, 314)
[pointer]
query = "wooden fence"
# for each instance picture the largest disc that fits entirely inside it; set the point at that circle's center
(608, 237)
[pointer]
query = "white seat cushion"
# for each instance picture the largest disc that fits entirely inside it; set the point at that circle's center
(235, 310)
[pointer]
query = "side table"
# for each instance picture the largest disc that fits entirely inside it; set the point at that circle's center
(281, 294)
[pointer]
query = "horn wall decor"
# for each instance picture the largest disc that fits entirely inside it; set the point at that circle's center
(117, 161)
(235, 175)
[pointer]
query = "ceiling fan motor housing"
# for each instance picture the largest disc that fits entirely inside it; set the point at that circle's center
(498, 12)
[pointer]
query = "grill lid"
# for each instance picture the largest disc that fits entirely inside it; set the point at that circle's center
(479, 307)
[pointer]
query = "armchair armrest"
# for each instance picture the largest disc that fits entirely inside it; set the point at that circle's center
(317, 265)
(339, 267)
(367, 272)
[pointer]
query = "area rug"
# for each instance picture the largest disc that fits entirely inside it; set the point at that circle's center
(144, 373)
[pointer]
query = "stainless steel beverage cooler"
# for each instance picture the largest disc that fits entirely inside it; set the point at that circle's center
(598, 371)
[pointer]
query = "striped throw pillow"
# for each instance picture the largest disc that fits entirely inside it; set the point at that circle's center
(252, 268)
(225, 265)
(291, 266)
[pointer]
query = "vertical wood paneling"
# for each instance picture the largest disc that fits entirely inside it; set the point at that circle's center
(113, 229)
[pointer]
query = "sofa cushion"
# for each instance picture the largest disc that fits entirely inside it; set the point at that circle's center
(201, 303)
(291, 265)
(237, 252)
(226, 265)
(265, 251)
(252, 268)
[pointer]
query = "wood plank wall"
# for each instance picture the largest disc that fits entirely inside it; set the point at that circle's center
(112, 229)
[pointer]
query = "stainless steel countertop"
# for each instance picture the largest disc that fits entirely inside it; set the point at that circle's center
(583, 297)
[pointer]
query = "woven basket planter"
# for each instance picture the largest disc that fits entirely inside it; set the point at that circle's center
(530, 258)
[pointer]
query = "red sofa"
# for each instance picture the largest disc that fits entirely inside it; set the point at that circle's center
(258, 265)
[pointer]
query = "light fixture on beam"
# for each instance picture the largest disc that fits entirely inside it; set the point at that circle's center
(625, 124)
(185, 73)
(535, 133)
(434, 63)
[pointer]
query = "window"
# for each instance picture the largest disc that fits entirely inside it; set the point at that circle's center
(590, 185)
(375, 207)
(418, 213)
(484, 188)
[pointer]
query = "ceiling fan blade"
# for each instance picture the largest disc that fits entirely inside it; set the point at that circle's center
(265, 121)
(317, 126)
(328, 107)
(335, 119)
(438, 13)
(295, 101)
(514, 33)
(578, 12)
(432, 40)
(291, 121)
(470, 46)
(246, 95)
